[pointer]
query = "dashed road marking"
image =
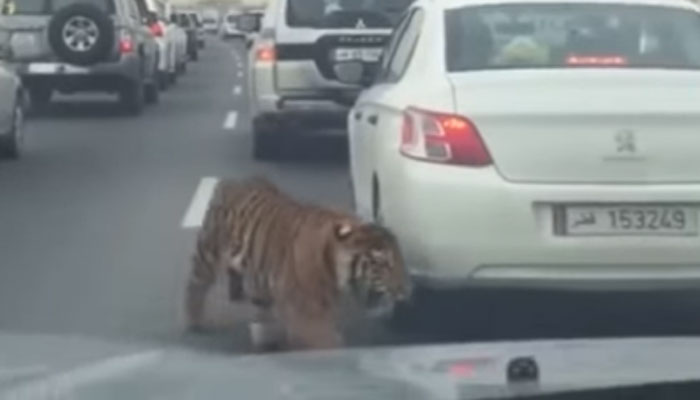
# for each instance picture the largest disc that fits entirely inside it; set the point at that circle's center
(200, 201)
(237, 90)
(231, 120)
(240, 74)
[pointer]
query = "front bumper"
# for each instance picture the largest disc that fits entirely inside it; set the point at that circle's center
(462, 227)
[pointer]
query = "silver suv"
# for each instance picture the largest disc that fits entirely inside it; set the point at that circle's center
(293, 79)
(81, 45)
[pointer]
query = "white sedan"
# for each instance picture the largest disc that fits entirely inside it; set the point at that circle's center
(536, 143)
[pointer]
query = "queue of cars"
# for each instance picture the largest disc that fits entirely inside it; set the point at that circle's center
(507, 143)
(133, 48)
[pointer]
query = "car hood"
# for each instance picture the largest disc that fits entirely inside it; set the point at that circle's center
(39, 367)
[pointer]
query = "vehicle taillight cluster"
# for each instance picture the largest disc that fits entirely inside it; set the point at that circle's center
(126, 45)
(265, 52)
(156, 29)
(442, 138)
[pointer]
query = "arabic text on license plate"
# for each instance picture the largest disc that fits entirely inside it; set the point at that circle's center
(364, 54)
(631, 220)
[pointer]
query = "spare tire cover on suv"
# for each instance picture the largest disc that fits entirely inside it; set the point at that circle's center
(81, 34)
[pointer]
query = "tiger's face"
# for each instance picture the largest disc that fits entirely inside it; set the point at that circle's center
(373, 268)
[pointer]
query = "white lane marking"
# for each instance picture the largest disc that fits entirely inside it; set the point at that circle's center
(237, 90)
(200, 202)
(231, 120)
(240, 74)
(64, 385)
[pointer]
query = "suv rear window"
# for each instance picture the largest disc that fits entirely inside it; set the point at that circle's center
(29, 7)
(345, 13)
(571, 35)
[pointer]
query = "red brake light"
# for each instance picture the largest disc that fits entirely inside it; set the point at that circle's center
(156, 29)
(126, 45)
(443, 138)
(266, 53)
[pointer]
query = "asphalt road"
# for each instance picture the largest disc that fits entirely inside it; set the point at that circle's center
(92, 240)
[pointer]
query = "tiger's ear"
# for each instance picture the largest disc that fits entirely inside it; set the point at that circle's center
(343, 230)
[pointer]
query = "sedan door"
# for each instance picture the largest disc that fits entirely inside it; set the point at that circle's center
(377, 115)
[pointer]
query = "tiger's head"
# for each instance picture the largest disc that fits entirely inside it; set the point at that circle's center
(369, 264)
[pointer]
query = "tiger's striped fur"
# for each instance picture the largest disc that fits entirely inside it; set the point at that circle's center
(292, 261)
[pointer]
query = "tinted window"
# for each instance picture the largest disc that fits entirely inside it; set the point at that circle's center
(571, 35)
(25, 7)
(11, 7)
(345, 13)
(195, 17)
(184, 20)
(231, 19)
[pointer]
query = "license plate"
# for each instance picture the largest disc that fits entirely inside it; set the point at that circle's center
(631, 220)
(55, 68)
(363, 54)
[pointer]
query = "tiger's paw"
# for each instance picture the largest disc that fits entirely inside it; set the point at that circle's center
(265, 337)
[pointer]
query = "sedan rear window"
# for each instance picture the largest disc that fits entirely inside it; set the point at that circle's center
(571, 35)
(345, 13)
(33, 7)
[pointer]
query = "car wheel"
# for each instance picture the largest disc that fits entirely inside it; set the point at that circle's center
(163, 80)
(39, 98)
(172, 78)
(151, 93)
(132, 97)
(12, 144)
(194, 56)
(264, 143)
(81, 34)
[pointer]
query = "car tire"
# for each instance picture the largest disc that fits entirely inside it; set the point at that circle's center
(163, 81)
(172, 78)
(40, 98)
(12, 144)
(89, 49)
(194, 56)
(132, 97)
(151, 93)
(264, 143)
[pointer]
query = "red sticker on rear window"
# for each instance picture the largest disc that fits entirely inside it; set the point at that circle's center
(595, 60)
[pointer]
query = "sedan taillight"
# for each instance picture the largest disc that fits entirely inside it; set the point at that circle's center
(442, 138)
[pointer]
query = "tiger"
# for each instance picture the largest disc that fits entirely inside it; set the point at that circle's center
(293, 262)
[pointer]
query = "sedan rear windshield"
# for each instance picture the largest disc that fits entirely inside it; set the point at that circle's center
(345, 13)
(30, 7)
(571, 35)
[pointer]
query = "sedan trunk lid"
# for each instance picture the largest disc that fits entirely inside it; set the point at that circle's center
(586, 125)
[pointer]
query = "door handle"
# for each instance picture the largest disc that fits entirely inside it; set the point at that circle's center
(358, 115)
(373, 119)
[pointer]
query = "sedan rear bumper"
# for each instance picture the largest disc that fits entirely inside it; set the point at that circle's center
(462, 226)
